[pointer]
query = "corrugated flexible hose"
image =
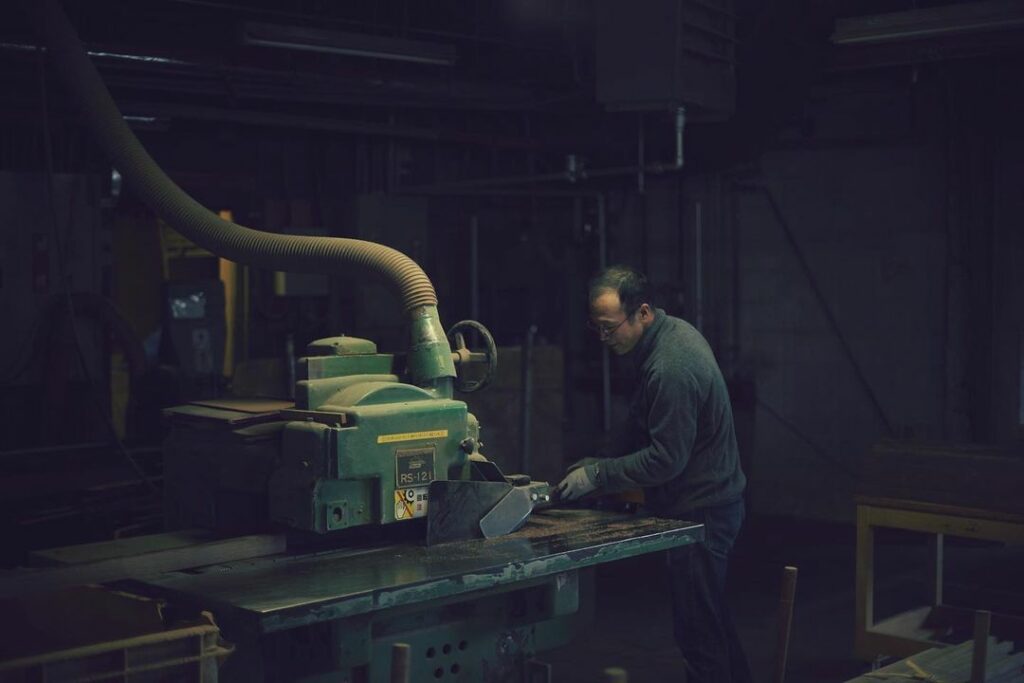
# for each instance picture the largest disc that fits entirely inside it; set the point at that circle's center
(329, 255)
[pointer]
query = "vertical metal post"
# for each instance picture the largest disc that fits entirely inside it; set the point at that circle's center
(1020, 371)
(785, 622)
(735, 287)
(640, 153)
(289, 363)
(606, 381)
(246, 306)
(982, 626)
(526, 403)
(936, 549)
(391, 165)
(698, 267)
(474, 267)
(680, 127)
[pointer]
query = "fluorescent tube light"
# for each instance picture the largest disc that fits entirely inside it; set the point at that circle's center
(930, 22)
(340, 42)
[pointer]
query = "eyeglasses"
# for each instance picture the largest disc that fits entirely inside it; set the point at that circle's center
(605, 331)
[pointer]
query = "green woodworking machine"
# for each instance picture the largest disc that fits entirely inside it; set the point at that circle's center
(358, 447)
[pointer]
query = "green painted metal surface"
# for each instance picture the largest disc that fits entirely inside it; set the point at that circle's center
(318, 367)
(341, 346)
(369, 445)
(484, 639)
(474, 610)
(430, 354)
(374, 471)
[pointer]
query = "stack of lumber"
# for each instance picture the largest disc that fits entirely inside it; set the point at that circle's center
(952, 665)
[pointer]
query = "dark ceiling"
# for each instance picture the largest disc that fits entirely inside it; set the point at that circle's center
(523, 76)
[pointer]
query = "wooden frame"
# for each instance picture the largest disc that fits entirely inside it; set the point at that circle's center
(912, 631)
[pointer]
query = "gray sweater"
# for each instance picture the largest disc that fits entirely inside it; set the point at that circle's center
(679, 442)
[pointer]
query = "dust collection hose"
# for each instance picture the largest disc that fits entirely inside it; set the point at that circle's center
(232, 241)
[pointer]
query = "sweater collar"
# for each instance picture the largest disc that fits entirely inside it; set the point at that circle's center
(647, 341)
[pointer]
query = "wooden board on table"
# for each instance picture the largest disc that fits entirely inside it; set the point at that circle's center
(974, 476)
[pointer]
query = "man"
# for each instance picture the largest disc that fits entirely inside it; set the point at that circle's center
(679, 444)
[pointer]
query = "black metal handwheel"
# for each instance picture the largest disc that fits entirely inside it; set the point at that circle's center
(463, 356)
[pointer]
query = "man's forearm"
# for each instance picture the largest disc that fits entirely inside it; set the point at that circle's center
(648, 466)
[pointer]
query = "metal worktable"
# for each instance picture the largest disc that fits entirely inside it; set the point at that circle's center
(346, 599)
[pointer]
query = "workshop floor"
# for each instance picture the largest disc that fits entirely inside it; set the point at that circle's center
(631, 627)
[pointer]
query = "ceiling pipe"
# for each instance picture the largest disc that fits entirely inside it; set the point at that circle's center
(931, 22)
(574, 171)
(375, 27)
(385, 130)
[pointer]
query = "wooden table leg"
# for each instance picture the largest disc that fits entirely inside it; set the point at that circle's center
(979, 654)
(865, 580)
(936, 545)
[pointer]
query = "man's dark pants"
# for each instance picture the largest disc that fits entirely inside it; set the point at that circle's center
(704, 629)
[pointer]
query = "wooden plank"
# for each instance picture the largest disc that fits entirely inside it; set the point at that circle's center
(930, 660)
(785, 620)
(124, 547)
(874, 644)
(952, 665)
(233, 413)
(256, 406)
(967, 475)
(968, 527)
(19, 582)
(925, 619)
(937, 508)
(1007, 669)
(912, 623)
(912, 631)
(864, 582)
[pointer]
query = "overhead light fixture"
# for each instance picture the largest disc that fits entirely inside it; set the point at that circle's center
(343, 43)
(151, 59)
(930, 22)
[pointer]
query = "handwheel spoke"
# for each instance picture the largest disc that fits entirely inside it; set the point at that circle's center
(464, 355)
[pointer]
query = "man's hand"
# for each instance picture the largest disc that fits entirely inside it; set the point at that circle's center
(579, 482)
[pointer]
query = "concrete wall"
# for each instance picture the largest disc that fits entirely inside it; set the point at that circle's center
(1007, 368)
(869, 225)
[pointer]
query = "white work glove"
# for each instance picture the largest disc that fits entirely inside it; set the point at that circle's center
(578, 483)
(582, 462)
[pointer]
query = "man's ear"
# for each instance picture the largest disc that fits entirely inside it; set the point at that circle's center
(646, 312)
